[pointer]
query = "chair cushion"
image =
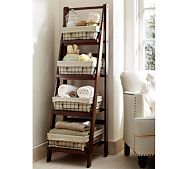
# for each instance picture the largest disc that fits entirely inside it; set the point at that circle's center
(144, 126)
(133, 81)
(151, 78)
(148, 90)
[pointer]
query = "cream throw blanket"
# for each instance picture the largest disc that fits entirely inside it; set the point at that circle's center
(85, 126)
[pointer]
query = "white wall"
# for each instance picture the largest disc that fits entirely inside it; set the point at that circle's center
(118, 65)
(43, 67)
(130, 22)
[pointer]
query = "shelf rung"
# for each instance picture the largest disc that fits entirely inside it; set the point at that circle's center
(81, 42)
(66, 150)
(96, 55)
(87, 8)
(72, 113)
(76, 77)
(98, 121)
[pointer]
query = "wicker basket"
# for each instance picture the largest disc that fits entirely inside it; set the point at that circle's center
(72, 142)
(76, 67)
(80, 32)
(75, 104)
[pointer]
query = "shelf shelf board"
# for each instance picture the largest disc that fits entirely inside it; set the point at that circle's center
(102, 75)
(72, 113)
(81, 42)
(98, 121)
(76, 77)
(96, 55)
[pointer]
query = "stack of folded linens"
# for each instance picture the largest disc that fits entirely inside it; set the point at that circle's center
(72, 135)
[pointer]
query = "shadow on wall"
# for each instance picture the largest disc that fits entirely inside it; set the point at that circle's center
(43, 70)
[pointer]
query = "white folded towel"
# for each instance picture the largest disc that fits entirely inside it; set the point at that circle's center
(85, 92)
(64, 90)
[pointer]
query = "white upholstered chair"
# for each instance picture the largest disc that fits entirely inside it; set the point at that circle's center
(139, 114)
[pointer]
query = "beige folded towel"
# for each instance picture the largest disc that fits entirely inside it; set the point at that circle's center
(85, 126)
(69, 132)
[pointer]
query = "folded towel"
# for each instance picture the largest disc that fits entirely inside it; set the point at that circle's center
(69, 132)
(64, 90)
(71, 138)
(85, 92)
(85, 126)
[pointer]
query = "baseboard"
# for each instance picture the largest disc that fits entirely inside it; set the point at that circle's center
(39, 151)
(114, 148)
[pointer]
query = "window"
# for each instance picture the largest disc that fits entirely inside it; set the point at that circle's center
(146, 34)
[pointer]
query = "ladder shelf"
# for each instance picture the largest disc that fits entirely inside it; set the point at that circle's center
(102, 42)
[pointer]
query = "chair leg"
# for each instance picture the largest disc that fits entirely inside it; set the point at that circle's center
(126, 150)
(142, 161)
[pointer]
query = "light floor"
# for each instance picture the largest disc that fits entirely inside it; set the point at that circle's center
(70, 161)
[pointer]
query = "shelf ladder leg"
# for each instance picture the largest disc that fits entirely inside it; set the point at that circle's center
(89, 158)
(49, 155)
(106, 149)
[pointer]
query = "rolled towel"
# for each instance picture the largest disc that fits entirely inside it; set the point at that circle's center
(85, 126)
(64, 90)
(85, 92)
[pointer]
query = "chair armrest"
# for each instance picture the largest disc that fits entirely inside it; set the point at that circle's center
(152, 117)
(131, 93)
(137, 104)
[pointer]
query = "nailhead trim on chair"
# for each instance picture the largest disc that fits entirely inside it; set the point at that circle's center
(134, 142)
(134, 106)
(146, 154)
(134, 116)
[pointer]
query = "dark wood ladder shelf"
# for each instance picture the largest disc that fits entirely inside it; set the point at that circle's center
(102, 43)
